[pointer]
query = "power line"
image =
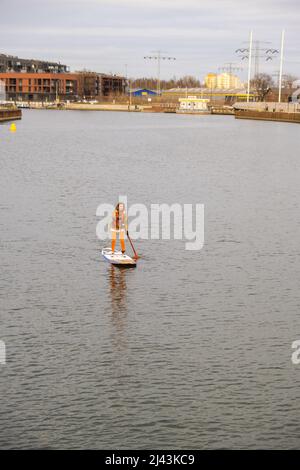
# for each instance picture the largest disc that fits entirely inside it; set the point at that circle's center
(230, 67)
(266, 53)
(158, 57)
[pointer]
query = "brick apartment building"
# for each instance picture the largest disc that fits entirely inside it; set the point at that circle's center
(35, 80)
(92, 85)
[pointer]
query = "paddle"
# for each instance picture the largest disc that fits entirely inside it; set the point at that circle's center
(135, 253)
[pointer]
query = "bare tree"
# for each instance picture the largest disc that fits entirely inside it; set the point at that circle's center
(288, 80)
(187, 81)
(262, 84)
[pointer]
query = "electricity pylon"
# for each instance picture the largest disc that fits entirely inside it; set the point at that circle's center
(230, 67)
(158, 57)
(266, 53)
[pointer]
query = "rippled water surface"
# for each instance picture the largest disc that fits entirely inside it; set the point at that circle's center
(192, 349)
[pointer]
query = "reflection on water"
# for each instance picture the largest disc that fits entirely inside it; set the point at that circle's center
(117, 278)
(117, 283)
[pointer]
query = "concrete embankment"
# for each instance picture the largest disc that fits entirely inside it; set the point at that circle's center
(282, 112)
(10, 114)
(268, 116)
(81, 106)
(222, 110)
(156, 108)
(101, 107)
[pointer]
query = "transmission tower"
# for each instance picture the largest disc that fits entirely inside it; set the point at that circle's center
(230, 67)
(276, 76)
(158, 57)
(265, 53)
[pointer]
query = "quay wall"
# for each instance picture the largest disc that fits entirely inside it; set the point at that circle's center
(284, 112)
(10, 114)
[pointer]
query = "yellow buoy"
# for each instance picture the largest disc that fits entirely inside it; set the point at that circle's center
(13, 127)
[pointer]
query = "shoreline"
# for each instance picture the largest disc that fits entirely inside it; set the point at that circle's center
(251, 113)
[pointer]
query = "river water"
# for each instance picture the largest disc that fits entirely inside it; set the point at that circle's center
(192, 349)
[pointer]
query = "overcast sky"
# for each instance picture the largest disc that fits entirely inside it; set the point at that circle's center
(104, 35)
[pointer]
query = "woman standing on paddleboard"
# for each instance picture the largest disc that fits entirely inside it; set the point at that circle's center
(119, 225)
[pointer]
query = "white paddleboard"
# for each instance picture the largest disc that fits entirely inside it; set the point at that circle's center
(117, 258)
